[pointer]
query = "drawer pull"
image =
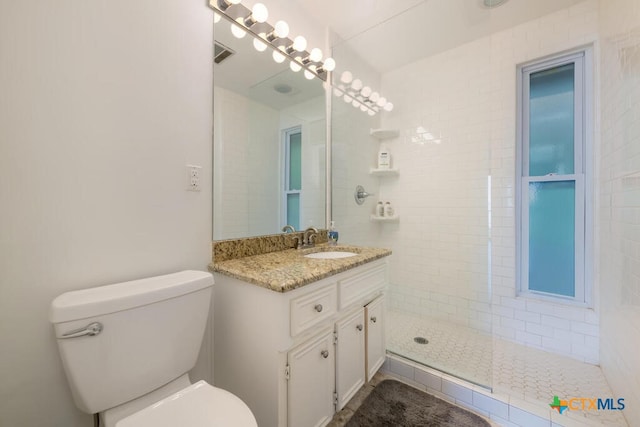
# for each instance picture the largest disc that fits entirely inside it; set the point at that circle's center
(318, 308)
(324, 353)
(374, 319)
(359, 327)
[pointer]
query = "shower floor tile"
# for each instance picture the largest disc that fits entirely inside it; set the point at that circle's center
(509, 369)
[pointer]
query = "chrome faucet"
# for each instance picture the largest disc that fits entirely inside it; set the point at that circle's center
(288, 229)
(308, 236)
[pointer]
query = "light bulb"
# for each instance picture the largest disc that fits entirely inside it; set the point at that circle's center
(347, 98)
(381, 101)
(374, 97)
(281, 29)
(355, 103)
(357, 84)
(337, 92)
(315, 55)
(259, 46)
(259, 12)
(237, 31)
(346, 77)
(300, 43)
(308, 75)
(295, 67)
(329, 64)
(278, 57)
(225, 4)
(366, 91)
(363, 108)
(216, 18)
(388, 106)
(371, 113)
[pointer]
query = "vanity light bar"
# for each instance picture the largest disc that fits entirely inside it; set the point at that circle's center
(360, 96)
(245, 20)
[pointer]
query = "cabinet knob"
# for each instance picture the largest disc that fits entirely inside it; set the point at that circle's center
(374, 319)
(318, 308)
(324, 353)
(359, 327)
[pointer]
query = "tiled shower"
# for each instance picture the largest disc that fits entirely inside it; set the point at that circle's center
(454, 246)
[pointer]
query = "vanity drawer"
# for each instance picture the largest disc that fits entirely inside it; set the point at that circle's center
(358, 287)
(312, 308)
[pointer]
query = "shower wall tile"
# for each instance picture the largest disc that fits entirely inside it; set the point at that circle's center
(456, 156)
(619, 202)
(232, 136)
(553, 33)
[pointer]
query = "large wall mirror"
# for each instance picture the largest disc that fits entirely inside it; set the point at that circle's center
(269, 142)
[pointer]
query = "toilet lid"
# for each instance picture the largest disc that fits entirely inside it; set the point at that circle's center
(199, 405)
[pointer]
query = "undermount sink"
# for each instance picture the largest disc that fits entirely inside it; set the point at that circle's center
(331, 255)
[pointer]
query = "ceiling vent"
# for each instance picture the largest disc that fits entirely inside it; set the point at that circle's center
(221, 52)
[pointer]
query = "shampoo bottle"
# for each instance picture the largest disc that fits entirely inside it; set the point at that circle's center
(388, 209)
(333, 234)
(379, 209)
(384, 158)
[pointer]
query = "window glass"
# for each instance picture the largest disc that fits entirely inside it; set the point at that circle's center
(295, 161)
(293, 210)
(552, 237)
(551, 121)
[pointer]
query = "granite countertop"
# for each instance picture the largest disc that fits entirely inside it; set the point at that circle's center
(288, 269)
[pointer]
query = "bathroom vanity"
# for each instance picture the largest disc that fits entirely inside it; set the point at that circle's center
(296, 337)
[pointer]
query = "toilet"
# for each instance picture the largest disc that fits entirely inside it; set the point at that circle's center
(127, 349)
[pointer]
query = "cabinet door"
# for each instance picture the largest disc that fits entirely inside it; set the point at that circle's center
(311, 382)
(376, 349)
(350, 369)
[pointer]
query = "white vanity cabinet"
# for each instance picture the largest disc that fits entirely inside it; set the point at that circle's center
(376, 347)
(311, 381)
(295, 358)
(350, 356)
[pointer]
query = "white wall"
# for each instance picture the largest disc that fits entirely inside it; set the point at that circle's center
(620, 201)
(249, 164)
(310, 115)
(230, 164)
(466, 97)
(103, 103)
(247, 167)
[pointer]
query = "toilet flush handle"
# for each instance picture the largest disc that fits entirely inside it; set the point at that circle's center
(91, 329)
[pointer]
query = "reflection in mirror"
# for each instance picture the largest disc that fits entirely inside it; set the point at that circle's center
(268, 142)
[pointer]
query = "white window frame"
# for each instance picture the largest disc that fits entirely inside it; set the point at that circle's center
(286, 139)
(582, 176)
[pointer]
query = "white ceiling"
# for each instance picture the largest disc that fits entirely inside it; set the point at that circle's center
(390, 33)
(386, 34)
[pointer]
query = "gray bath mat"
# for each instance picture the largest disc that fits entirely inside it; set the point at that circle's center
(393, 403)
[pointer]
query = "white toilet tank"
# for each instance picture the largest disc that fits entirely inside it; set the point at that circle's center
(151, 334)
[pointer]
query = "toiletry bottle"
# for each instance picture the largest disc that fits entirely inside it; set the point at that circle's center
(333, 234)
(384, 158)
(388, 209)
(380, 209)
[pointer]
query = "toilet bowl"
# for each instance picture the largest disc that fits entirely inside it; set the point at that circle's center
(127, 349)
(198, 405)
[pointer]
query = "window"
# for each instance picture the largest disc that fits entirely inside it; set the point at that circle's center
(292, 176)
(554, 177)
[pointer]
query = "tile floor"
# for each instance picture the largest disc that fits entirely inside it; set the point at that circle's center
(515, 372)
